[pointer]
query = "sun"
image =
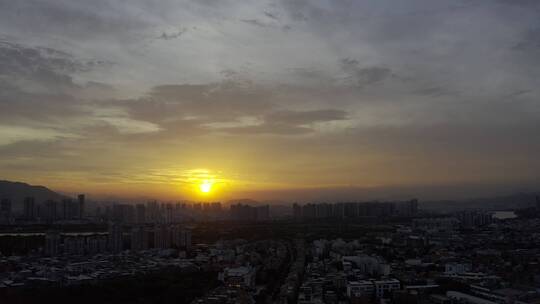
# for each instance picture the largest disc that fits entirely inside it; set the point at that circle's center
(206, 186)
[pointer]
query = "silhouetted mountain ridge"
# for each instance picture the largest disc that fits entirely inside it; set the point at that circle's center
(17, 191)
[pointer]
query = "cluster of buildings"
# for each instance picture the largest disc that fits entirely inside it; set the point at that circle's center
(465, 257)
(341, 271)
(48, 211)
(249, 272)
(466, 219)
(154, 212)
(495, 263)
(240, 212)
(19, 272)
(117, 239)
(355, 210)
(293, 279)
(6, 213)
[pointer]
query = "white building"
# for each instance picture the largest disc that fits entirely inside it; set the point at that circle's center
(239, 276)
(360, 289)
(457, 268)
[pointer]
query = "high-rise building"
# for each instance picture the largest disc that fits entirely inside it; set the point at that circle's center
(52, 243)
(176, 234)
(186, 239)
(75, 245)
(81, 201)
(49, 211)
(162, 236)
(263, 213)
(297, 211)
(5, 210)
(216, 208)
(242, 212)
(169, 214)
(65, 209)
(29, 208)
(352, 210)
(70, 210)
(140, 214)
(309, 211)
(181, 237)
(139, 238)
(123, 213)
(323, 211)
(152, 212)
(97, 243)
(338, 211)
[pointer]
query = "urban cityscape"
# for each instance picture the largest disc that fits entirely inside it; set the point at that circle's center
(346, 252)
(270, 152)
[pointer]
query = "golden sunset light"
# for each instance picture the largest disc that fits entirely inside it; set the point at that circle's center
(206, 186)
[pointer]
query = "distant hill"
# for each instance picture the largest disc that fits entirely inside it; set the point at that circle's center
(507, 202)
(18, 191)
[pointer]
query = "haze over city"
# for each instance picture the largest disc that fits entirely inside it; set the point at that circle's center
(281, 100)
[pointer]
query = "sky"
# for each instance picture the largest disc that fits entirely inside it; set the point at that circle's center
(271, 100)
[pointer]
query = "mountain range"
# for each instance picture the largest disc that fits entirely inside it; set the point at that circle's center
(17, 191)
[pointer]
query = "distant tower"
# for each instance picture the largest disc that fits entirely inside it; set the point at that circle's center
(413, 207)
(162, 236)
(29, 208)
(139, 238)
(5, 208)
(152, 212)
(263, 213)
(140, 213)
(80, 197)
(186, 238)
(50, 210)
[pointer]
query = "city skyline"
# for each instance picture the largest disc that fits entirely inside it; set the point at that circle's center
(271, 100)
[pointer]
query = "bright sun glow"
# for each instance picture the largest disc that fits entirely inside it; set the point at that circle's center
(205, 186)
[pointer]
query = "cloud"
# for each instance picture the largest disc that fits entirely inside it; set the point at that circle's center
(285, 122)
(12, 134)
(77, 20)
(172, 35)
(305, 117)
(271, 15)
(40, 65)
(45, 70)
(530, 41)
(118, 118)
(364, 76)
(255, 22)
(217, 102)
